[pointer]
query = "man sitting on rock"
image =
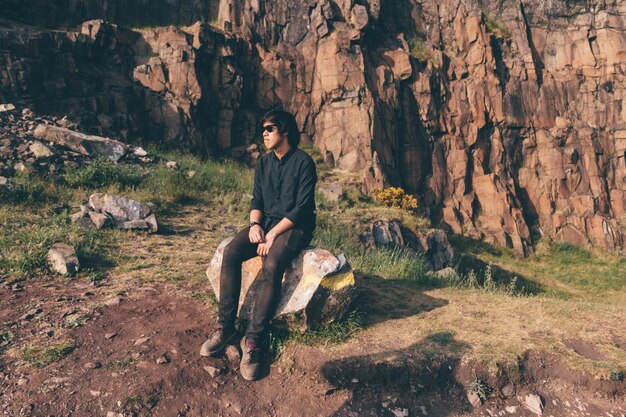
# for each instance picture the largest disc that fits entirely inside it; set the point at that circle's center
(282, 220)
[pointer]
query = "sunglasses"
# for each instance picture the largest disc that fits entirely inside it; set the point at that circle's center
(270, 128)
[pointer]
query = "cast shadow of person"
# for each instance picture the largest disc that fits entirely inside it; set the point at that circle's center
(420, 378)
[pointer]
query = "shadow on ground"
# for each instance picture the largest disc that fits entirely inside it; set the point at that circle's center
(420, 378)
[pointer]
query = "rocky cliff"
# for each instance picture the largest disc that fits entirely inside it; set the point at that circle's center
(506, 118)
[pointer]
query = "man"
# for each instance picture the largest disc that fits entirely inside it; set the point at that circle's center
(282, 220)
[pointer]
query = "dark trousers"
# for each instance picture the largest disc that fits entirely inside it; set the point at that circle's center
(284, 249)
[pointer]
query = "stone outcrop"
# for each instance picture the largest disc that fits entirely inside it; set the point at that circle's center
(93, 146)
(505, 118)
(431, 245)
(104, 209)
(317, 287)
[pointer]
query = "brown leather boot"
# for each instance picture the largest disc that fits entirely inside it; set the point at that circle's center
(217, 341)
(250, 366)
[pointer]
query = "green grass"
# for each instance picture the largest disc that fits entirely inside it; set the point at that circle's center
(496, 26)
(419, 50)
(391, 263)
(40, 357)
(560, 269)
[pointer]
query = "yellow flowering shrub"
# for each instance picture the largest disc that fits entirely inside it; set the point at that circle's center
(395, 197)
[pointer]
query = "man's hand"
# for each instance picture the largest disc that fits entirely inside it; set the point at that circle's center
(264, 248)
(256, 234)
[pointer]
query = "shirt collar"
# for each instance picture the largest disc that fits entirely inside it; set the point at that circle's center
(285, 156)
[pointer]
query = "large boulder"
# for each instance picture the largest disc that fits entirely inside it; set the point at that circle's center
(89, 145)
(317, 287)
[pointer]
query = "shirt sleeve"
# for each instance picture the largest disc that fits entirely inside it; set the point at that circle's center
(257, 193)
(305, 200)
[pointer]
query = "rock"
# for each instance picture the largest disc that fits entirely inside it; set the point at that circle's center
(120, 209)
(139, 152)
(474, 399)
(213, 371)
(151, 221)
(233, 356)
(141, 341)
(110, 335)
(534, 403)
(98, 219)
(171, 164)
(22, 381)
(6, 107)
(134, 225)
(62, 259)
(435, 248)
(113, 302)
(85, 222)
(93, 146)
(386, 233)
(77, 216)
(511, 409)
(508, 391)
(92, 365)
(317, 286)
(400, 412)
(40, 150)
(162, 360)
(21, 167)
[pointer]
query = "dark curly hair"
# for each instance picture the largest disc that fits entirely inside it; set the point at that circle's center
(286, 123)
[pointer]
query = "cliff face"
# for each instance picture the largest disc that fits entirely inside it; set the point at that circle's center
(507, 118)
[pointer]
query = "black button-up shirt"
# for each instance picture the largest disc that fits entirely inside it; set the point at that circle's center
(285, 188)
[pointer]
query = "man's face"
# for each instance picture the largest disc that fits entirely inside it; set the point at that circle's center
(271, 136)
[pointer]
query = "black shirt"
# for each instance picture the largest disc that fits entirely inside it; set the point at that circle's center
(285, 188)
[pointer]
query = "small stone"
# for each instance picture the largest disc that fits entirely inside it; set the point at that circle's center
(191, 174)
(85, 222)
(92, 365)
(511, 409)
(113, 301)
(77, 216)
(141, 341)
(62, 259)
(151, 221)
(400, 412)
(534, 403)
(20, 167)
(22, 381)
(40, 150)
(140, 152)
(171, 164)
(355, 381)
(95, 393)
(508, 391)
(385, 404)
(233, 356)
(423, 410)
(162, 360)
(98, 219)
(110, 335)
(6, 107)
(134, 224)
(213, 371)
(474, 399)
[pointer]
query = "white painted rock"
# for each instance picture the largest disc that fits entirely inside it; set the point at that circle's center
(317, 286)
(62, 259)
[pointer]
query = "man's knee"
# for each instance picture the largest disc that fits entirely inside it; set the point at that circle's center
(232, 253)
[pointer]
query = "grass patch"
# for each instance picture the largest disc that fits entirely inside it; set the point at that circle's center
(26, 239)
(496, 26)
(419, 50)
(40, 357)
(333, 333)
(100, 174)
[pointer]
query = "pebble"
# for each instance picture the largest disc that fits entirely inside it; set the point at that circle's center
(22, 381)
(141, 341)
(233, 356)
(92, 365)
(113, 301)
(534, 403)
(213, 371)
(171, 164)
(162, 360)
(110, 335)
(400, 412)
(511, 409)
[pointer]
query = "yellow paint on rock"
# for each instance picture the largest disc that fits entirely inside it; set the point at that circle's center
(338, 281)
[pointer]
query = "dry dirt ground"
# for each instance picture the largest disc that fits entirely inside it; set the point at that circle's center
(134, 342)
